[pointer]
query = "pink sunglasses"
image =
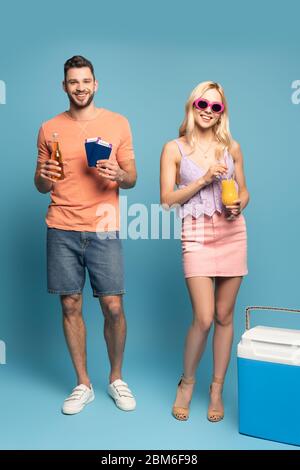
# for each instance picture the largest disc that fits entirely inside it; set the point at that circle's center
(215, 106)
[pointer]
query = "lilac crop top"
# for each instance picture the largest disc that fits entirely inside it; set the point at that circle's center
(209, 199)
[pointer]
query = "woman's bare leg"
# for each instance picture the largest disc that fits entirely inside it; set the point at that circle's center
(201, 291)
(226, 290)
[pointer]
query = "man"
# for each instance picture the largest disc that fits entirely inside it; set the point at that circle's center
(83, 224)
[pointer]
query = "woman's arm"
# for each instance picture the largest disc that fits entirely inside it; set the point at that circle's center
(170, 158)
(244, 197)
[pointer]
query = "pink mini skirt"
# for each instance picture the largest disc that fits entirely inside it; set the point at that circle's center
(214, 246)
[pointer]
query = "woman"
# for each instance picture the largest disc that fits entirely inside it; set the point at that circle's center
(214, 238)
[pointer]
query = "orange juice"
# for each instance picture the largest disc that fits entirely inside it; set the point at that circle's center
(57, 156)
(229, 192)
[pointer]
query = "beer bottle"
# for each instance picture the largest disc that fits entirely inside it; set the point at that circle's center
(57, 156)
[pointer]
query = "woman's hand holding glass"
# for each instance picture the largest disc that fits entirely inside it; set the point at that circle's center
(215, 172)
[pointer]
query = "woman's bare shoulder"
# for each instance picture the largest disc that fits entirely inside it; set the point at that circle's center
(235, 150)
(171, 149)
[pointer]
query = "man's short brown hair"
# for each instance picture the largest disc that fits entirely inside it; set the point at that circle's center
(78, 61)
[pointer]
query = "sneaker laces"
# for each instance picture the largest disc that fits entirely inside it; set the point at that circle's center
(123, 390)
(77, 393)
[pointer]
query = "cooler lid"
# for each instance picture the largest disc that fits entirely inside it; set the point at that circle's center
(265, 343)
(270, 334)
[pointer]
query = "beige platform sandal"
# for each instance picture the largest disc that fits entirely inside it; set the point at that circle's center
(180, 413)
(214, 415)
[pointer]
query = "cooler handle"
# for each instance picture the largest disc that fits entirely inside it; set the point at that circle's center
(281, 309)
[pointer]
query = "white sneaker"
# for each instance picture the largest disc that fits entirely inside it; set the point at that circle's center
(80, 396)
(122, 395)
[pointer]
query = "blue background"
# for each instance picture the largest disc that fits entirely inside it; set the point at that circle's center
(148, 56)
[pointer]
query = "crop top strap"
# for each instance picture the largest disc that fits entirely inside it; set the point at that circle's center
(180, 147)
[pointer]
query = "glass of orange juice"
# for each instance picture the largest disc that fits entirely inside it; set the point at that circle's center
(229, 192)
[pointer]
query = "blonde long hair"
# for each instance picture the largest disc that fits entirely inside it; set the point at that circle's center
(220, 129)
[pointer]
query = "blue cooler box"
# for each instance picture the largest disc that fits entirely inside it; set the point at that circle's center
(269, 381)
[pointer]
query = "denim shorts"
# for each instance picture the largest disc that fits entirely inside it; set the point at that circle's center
(69, 252)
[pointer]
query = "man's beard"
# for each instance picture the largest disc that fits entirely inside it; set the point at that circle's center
(81, 106)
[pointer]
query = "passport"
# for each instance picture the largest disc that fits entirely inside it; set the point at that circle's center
(97, 149)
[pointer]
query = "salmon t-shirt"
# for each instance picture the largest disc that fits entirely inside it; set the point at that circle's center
(84, 201)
